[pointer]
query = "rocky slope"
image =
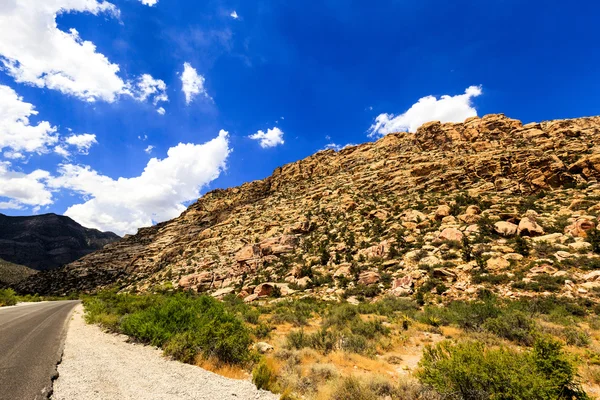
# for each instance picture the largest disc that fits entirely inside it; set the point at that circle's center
(47, 241)
(11, 273)
(449, 209)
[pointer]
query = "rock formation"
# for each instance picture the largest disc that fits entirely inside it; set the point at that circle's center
(451, 208)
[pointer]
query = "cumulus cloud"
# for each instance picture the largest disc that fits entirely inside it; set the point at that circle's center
(23, 189)
(149, 2)
(273, 137)
(33, 50)
(158, 194)
(149, 149)
(234, 15)
(146, 87)
(82, 142)
(192, 83)
(161, 111)
(62, 151)
(445, 109)
(17, 133)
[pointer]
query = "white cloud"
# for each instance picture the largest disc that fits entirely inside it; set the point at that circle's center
(13, 155)
(158, 194)
(33, 50)
(149, 149)
(192, 83)
(146, 87)
(16, 131)
(61, 150)
(149, 2)
(272, 138)
(23, 189)
(83, 142)
(234, 15)
(337, 147)
(161, 111)
(445, 109)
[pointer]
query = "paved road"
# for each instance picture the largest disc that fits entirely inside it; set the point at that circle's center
(31, 341)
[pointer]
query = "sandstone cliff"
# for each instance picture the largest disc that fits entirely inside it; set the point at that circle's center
(449, 209)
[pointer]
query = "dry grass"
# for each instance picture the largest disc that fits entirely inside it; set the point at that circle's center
(228, 371)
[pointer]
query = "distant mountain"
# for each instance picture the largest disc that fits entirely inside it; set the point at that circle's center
(48, 241)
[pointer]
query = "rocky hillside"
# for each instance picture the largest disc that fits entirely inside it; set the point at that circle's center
(11, 274)
(447, 210)
(47, 241)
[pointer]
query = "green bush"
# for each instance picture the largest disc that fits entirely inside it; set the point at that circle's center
(264, 377)
(512, 325)
(469, 371)
(7, 297)
(182, 325)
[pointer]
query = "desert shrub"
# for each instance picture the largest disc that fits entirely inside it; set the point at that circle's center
(362, 291)
(352, 388)
(541, 283)
(341, 315)
(522, 246)
(512, 325)
(7, 297)
(468, 371)
(389, 306)
(182, 325)
(263, 331)
(492, 279)
(369, 329)
(264, 377)
(576, 337)
(296, 312)
(323, 372)
(471, 315)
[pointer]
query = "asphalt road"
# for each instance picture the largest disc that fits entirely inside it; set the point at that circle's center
(31, 342)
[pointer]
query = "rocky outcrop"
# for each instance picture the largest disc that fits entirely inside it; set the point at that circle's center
(442, 205)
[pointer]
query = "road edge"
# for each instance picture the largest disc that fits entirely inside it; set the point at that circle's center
(49, 390)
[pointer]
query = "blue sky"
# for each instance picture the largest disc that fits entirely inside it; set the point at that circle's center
(117, 143)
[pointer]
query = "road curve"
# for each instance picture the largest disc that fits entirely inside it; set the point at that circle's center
(31, 341)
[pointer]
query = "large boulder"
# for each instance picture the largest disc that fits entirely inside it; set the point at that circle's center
(529, 227)
(442, 212)
(451, 234)
(368, 278)
(505, 228)
(580, 227)
(248, 253)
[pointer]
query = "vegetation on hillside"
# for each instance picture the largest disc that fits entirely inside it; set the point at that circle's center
(330, 350)
(11, 273)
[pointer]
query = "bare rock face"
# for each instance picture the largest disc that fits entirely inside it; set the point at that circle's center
(373, 214)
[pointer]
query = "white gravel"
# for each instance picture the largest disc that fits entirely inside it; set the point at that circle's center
(98, 365)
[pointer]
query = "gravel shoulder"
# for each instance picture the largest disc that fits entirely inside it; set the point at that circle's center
(98, 365)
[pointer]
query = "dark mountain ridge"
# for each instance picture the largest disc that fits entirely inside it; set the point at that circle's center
(48, 241)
